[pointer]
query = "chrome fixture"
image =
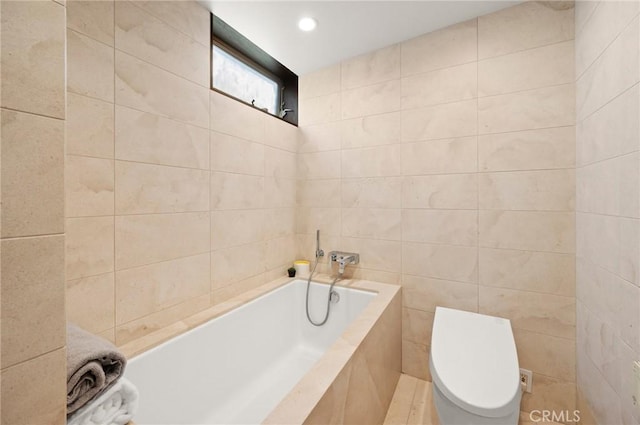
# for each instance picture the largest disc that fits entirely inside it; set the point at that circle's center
(284, 112)
(319, 252)
(332, 297)
(344, 259)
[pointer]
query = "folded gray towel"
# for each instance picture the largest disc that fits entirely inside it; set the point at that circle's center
(93, 364)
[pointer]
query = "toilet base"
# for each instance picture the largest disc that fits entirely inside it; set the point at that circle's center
(451, 414)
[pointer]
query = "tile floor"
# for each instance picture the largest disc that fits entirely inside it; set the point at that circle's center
(412, 404)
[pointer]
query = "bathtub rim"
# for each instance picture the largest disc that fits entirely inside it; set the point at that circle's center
(306, 394)
(145, 343)
(296, 407)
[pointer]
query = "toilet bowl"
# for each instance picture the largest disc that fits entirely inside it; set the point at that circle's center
(474, 368)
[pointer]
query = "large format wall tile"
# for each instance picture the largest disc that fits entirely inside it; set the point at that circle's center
(528, 25)
(89, 67)
(147, 289)
(147, 239)
(188, 17)
(33, 57)
(91, 302)
(441, 86)
(459, 263)
(32, 174)
(528, 190)
(279, 192)
(318, 193)
(159, 320)
(375, 254)
(327, 219)
(372, 68)
(230, 265)
(322, 137)
(376, 130)
(546, 272)
(230, 117)
(527, 150)
(527, 230)
(456, 119)
(31, 391)
(610, 131)
(145, 87)
(89, 126)
(426, 294)
(371, 162)
(370, 100)
(280, 164)
(235, 155)
(320, 83)
(447, 191)
(321, 109)
(89, 246)
(149, 188)
(92, 18)
(541, 67)
(601, 26)
(140, 34)
(371, 223)
(374, 192)
(527, 110)
(33, 298)
(280, 134)
(236, 227)
(443, 156)
(319, 165)
(547, 355)
(544, 313)
(89, 187)
(613, 72)
(236, 191)
(451, 227)
(444, 48)
(145, 137)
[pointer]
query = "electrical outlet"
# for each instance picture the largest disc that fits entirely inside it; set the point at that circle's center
(526, 380)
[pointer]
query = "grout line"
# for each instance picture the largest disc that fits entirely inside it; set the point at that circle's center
(4, 108)
(115, 286)
(606, 48)
(171, 26)
(37, 356)
(578, 31)
(44, 235)
(604, 160)
(478, 265)
(604, 105)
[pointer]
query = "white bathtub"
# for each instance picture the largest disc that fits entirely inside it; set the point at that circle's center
(236, 368)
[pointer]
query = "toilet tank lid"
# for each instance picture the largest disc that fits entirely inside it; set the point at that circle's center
(474, 362)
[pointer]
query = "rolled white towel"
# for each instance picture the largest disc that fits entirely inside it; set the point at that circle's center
(116, 406)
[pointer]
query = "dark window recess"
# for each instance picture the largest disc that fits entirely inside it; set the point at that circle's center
(245, 72)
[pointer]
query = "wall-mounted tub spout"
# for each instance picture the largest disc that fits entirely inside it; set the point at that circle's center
(344, 259)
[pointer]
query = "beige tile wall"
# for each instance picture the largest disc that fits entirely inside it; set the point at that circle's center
(32, 114)
(608, 207)
(177, 198)
(447, 161)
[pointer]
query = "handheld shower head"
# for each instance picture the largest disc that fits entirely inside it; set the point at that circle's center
(319, 252)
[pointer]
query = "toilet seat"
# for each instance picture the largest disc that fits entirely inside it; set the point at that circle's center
(474, 362)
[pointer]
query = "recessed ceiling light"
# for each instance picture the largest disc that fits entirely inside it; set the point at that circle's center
(307, 24)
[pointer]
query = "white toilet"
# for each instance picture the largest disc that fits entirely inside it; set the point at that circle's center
(474, 368)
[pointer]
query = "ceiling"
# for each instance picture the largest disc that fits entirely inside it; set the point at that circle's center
(345, 28)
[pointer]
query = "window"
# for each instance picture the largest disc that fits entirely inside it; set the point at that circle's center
(243, 71)
(240, 80)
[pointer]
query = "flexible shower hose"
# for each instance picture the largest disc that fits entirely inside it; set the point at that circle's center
(326, 316)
